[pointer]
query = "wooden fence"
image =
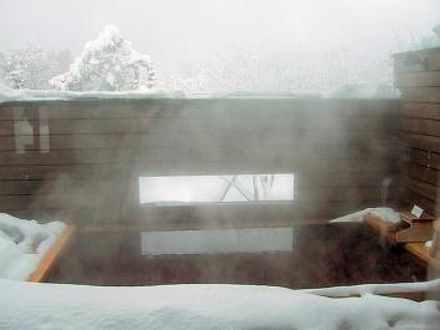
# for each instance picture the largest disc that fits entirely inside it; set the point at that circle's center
(81, 160)
(418, 78)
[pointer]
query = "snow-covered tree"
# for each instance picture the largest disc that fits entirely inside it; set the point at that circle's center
(31, 67)
(24, 68)
(108, 63)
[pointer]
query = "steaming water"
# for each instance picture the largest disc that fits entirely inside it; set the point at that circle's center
(249, 240)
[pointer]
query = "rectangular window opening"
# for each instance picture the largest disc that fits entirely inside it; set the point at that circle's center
(233, 188)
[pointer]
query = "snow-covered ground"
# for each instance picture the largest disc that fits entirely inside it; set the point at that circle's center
(22, 245)
(25, 305)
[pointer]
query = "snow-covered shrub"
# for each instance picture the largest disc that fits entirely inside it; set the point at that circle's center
(30, 67)
(108, 63)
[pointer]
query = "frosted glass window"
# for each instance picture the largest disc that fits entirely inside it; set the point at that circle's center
(216, 188)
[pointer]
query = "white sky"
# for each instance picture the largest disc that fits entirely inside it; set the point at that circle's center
(183, 35)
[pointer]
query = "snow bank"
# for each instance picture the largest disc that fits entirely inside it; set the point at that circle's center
(383, 289)
(25, 305)
(386, 213)
(22, 245)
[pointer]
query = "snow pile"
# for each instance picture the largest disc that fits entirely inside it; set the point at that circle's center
(25, 305)
(25, 95)
(383, 289)
(22, 245)
(108, 63)
(386, 213)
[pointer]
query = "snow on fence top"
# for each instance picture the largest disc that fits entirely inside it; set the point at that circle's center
(54, 95)
(53, 306)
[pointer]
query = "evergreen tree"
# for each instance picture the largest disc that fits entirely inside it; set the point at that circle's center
(108, 63)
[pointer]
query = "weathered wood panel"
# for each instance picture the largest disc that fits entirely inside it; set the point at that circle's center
(83, 159)
(424, 174)
(418, 76)
(421, 94)
(421, 126)
(415, 61)
(424, 158)
(418, 79)
(421, 110)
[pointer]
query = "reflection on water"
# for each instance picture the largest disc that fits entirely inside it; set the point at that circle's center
(328, 255)
(249, 240)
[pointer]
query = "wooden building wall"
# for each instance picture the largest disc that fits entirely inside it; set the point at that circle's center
(417, 75)
(81, 159)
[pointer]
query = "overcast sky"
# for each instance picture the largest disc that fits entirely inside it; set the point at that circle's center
(195, 31)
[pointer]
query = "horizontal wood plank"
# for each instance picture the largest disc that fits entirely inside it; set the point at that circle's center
(421, 126)
(422, 158)
(417, 141)
(418, 79)
(421, 94)
(416, 61)
(424, 174)
(364, 139)
(427, 190)
(193, 108)
(421, 110)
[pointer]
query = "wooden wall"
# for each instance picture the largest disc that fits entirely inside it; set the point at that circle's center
(81, 159)
(417, 75)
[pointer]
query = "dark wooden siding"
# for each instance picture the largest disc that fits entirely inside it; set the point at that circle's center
(418, 77)
(82, 159)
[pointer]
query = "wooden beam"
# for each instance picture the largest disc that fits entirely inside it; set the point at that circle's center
(422, 253)
(46, 264)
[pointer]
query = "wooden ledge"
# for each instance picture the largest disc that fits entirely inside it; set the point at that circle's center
(418, 249)
(157, 226)
(422, 252)
(48, 261)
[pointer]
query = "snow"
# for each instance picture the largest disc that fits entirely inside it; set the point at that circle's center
(108, 63)
(22, 245)
(428, 244)
(25, 305)
(386, 213)
(382, 289)
(25, 95)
